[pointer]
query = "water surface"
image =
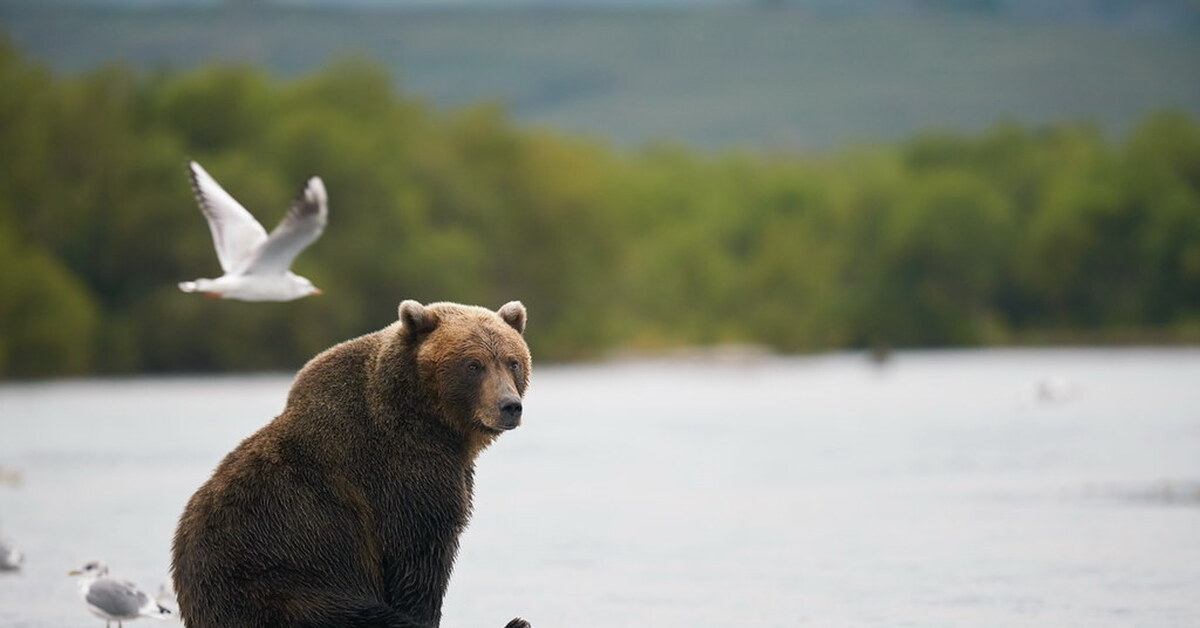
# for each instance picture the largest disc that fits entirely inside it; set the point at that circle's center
(939, 490)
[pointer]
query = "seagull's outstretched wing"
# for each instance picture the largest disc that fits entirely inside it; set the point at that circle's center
(302, 224)
(236, 234)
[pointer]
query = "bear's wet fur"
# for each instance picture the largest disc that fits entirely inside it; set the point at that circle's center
(346, 509)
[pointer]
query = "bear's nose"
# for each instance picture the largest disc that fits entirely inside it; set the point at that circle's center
(510, 413)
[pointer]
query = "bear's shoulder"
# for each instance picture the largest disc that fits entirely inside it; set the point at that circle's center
(339, 375)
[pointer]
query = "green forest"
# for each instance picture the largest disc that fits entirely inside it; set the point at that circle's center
(1014, 235)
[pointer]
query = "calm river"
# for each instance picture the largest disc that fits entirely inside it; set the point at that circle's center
(974, 488)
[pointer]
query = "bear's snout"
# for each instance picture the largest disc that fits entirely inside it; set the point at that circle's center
(510, 413)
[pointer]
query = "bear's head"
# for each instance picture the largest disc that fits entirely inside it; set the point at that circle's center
(473, 361)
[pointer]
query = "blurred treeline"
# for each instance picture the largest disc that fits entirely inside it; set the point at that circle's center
(1014, 235)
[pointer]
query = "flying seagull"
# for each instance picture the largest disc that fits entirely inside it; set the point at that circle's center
(256, 265)
(114, 600)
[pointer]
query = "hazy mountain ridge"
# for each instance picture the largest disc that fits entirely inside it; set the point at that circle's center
(705, 75)
(1173, 13)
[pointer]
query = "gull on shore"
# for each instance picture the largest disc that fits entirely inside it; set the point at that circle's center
(10, 557)
(257, 266)
(114, 600)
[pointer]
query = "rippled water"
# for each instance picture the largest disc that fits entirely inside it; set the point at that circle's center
(939, 490)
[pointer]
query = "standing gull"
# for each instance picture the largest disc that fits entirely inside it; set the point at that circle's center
(114, 600)
(10, 557)
(256, 265)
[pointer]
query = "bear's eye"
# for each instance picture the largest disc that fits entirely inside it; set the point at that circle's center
(474, 366)
(514, 366)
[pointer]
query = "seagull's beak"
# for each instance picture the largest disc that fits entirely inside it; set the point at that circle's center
(74, 572)
(317, 291)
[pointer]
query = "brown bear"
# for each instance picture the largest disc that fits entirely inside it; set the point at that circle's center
(346, 509)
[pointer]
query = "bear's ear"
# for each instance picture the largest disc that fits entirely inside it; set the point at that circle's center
(417, 319)
(513, 313)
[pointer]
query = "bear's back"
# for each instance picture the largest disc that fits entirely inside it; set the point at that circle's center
(336, 380)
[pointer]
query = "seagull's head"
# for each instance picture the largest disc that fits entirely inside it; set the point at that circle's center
(91, 569)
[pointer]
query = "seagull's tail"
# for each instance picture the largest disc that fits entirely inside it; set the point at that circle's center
(166, 595)
(188, 286)
(156, 610)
